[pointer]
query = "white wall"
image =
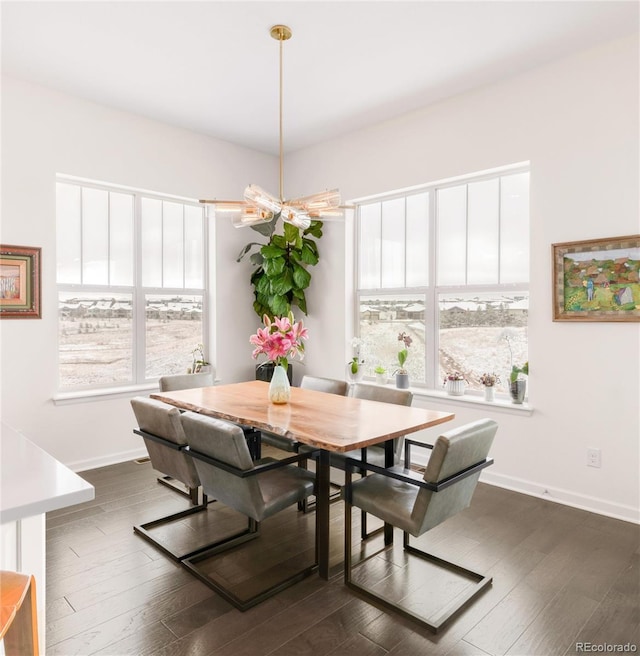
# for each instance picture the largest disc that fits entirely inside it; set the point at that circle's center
(576, 120)
(44, 133)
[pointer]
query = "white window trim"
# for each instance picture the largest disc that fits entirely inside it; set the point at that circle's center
(131, 388)
(430, 387)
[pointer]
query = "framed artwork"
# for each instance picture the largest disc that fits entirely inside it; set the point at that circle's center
(19, 282)
(597, 280)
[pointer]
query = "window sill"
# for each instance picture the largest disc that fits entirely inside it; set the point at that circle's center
(500, 404)
(106, 393)
(103, 394)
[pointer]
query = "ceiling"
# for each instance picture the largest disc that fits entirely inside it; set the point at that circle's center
(212, 67)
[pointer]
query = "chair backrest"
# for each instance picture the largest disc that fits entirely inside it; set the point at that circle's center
(18, 614)
(163, 421)
(185, 381)
(384, 395)
(453, 452)
(328, 385)
(224, 441)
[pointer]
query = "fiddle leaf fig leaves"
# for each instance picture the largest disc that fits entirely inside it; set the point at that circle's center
(256, 259)
(309, 252)
(265, 229)
(291, 233)
(246, 249)
(269, 251)
(282, 284)
(274, 266)
(280, 277)
(315, 229)
(301, 277)
(279, 305)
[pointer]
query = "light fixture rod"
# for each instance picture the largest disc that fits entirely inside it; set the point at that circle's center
(281, 132)
(281, 33)
(259, 206)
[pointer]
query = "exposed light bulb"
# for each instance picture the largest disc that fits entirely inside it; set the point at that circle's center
(258, 196)
(295, 217)
(249, 215)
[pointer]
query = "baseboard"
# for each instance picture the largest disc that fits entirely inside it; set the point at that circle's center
(565, 497)
(111, 459)
(557, 495)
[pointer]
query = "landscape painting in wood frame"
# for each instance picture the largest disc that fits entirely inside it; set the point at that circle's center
(597, 280)
(19, 282)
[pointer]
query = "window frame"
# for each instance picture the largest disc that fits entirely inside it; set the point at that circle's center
(431, 292)
(139, 380)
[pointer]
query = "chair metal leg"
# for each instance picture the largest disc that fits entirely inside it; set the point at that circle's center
(191, 563)
(143, 530)
(443, 616)
(176, 486)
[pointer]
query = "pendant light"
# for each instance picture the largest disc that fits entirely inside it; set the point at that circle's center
(259, 206)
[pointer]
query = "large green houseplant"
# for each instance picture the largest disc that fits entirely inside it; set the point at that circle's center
(280, 277)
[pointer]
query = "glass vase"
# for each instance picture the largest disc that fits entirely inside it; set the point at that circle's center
(354, 377)
(517, 389)
(279, 387)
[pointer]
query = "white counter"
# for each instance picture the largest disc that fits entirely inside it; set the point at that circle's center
(32, 483)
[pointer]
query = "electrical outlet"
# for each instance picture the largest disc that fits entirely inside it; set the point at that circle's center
(594, 458)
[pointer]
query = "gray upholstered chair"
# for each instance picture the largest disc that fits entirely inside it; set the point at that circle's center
(161, 429)
(257, 490)
(415, 504)
(171, 383)
(175, 382)
(328, 385)
(375, 454)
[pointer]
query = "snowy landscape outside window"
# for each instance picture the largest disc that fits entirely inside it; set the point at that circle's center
(449, 265)
(131, 274)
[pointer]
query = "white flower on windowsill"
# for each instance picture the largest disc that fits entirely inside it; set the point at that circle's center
(356, 362)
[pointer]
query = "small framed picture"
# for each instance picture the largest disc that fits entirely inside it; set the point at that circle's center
(597, 280)
(19, 282)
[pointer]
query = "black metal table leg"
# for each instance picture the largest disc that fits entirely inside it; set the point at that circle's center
(322, 512)
(388, 462)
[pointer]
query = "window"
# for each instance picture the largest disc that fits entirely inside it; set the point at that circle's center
(449, 265)
(131, 274)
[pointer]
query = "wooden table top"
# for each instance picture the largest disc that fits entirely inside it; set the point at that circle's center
(327, 421)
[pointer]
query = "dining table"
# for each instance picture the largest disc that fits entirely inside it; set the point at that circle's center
(327, 422)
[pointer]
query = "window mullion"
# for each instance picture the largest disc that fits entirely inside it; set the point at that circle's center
(184, 248)
(499, 229)
(81, 235)
(139, 334)
(431, 310)
(109, 237)
(466, 236)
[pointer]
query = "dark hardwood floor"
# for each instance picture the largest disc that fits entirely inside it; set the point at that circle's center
(561, 577)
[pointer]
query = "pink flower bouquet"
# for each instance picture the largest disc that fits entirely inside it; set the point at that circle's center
(279, 340)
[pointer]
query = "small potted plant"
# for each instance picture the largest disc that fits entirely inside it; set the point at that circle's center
(454, 383)
(355, 369)
(200, 364)
(490, 381)
(402, 375)
(381, 375)
(518, 384)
